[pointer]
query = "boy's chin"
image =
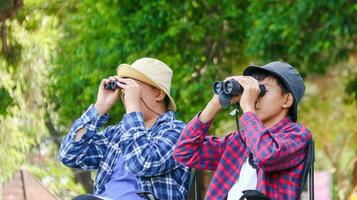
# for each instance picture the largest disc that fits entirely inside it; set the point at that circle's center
(261, 116)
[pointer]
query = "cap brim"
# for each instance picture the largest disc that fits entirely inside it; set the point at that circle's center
(252, 68)
(126, 71)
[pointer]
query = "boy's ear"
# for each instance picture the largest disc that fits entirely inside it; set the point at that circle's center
(288, 100)
(160, 95)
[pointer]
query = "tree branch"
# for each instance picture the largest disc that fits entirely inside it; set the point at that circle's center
(14, 6)
(3, 35)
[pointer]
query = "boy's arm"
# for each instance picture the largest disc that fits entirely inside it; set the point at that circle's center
(146, 154)
(86, 152)
(271, 151)
(194, 148)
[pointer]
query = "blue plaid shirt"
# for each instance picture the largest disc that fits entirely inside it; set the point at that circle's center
(147, 152)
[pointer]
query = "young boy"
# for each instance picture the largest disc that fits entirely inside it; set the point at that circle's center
(268, 153)
(133, 157)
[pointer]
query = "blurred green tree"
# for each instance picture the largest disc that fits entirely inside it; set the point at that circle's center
(25, 55)
(55, 54)
(202, 41)
(330, 114)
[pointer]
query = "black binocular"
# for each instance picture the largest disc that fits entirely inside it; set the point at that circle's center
(226, 90)
(111, 85)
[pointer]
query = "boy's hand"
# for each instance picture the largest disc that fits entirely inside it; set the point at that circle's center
(250, 94)
(106, 98)
(247, 99)
(132, 94)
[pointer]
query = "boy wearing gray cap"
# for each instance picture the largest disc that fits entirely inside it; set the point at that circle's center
(268, 153)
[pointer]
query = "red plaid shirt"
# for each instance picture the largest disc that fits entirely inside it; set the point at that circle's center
(278, 151)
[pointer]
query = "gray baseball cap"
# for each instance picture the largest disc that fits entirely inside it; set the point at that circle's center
(288, 75)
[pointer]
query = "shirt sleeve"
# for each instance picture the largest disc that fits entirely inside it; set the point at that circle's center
(272, 151)
(87, 152)
(196, 149)
(147, 153)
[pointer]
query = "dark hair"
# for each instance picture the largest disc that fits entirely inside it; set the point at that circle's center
(167, 101)
(261, 75)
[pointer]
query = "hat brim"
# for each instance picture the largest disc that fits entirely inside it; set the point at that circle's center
(252, 68)
(126, 71)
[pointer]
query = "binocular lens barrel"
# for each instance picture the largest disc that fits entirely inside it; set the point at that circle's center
(218, 86)
(233, 88)
(111, 85)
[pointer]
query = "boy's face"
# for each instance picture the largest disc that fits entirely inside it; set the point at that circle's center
(274, 102)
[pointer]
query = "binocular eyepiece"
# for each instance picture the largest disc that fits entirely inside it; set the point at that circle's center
(226, 90)
(111, 85)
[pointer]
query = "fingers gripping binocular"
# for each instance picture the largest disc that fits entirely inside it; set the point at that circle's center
(111, 85)
(226, 90)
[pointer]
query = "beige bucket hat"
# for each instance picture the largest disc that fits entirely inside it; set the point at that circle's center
(150, 71)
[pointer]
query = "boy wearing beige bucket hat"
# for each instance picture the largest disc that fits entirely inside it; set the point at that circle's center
(134, 157)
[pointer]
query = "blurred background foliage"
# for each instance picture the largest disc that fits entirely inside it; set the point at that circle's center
(54, 53)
